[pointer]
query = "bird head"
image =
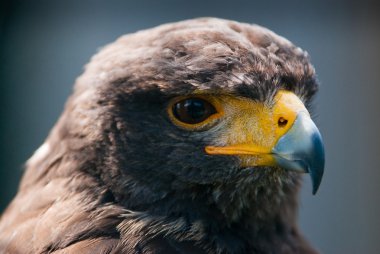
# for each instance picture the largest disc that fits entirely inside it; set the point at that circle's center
(202, 109)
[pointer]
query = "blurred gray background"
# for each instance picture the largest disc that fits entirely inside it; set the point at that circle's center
(45, 43)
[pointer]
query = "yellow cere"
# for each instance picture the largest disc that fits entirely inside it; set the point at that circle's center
(252, 129)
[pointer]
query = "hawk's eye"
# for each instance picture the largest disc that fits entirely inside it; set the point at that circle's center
(193, 110)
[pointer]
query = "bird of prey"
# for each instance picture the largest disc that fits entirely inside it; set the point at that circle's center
(190, 137)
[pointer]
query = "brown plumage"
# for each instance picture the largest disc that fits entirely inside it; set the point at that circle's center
(115, 175)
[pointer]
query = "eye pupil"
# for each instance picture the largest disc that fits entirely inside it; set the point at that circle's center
(193, 110)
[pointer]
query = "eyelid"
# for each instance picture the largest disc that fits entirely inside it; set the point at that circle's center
(207, 123)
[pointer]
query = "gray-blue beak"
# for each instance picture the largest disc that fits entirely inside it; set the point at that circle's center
(301, 149)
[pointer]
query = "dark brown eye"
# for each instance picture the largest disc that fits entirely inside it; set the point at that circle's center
(193, 110)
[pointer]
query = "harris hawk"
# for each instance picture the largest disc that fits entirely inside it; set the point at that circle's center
(190, 137)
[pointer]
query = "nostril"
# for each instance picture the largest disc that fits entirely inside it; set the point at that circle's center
(282, 122)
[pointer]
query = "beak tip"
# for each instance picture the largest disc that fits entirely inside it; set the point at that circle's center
(319, 163)
(316, 177)
(315, 188)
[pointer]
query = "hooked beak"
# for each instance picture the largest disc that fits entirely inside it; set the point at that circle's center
(301, 149)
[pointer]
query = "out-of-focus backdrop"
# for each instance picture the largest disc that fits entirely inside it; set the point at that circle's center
(45, 43)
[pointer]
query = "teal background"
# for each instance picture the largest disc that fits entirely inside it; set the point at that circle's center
(44, 45)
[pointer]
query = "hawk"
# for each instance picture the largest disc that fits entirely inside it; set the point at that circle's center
(191, 137)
